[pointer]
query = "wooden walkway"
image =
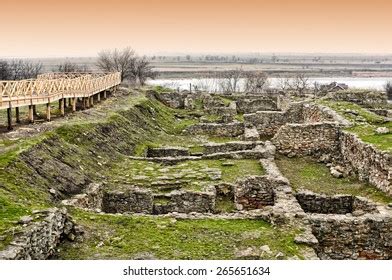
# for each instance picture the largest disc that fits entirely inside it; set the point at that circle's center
(51, 87)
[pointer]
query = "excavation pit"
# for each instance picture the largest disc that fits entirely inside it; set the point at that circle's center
(338, 204)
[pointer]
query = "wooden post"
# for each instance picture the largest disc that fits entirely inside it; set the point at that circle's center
(73, 104)
(62, 105)
(69, 102)
(92, 101)
(104, 94)
(84, 101)
(35, 111)
(17, 114)
(9, 118)
(99, 97)
(190, 88)
(31, 114)
(48, 112)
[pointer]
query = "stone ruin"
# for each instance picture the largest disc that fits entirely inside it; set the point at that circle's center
(336, 227)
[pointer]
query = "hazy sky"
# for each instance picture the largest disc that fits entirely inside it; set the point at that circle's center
(38, 28)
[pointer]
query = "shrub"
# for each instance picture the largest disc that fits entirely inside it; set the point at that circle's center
(388, 89)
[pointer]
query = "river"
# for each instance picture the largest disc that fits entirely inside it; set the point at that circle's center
(209, 84)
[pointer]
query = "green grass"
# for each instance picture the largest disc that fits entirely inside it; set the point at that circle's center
(316, 177)
(225, 101)
(125, 237)
(224, 204)
(364, 130)
(191, 174)
(342, 106)
(160, 89)
(17, 195)
(368, 135)
(240, 117)
(196, 149)
(241, 168)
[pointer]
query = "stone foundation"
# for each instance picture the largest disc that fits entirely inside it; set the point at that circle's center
(133, 199)
(268, 123)
(90, 199)
(167, 152)
(254, 192)
(367, 98)
(344, 237)
(43, 231)
(337, 204)
(315, 139)
(183, 201)
(251, 105)
(366, 161)
(213, 129)
(212, 148)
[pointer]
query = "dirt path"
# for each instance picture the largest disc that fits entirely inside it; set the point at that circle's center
(123, 98)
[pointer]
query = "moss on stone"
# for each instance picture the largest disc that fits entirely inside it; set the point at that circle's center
(364, 129)
(125, 237)
(308, 174)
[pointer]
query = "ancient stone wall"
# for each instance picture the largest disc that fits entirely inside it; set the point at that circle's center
(133, 200)
(170, 99)
(233, 129)
(347, 237)
(167, 152)
(254, 192)
(366, 98)
(366, 161)
(313, 139)
(183, 201)
(43, 231)
(250, 104)
(268, 123)
(90, 199)
(336, 204)
(212, 148)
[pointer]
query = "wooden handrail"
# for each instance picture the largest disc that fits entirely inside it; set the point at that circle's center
(81, 84)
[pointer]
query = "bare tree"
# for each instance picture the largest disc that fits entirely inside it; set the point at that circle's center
(120, 61)
(24, 69)
(71, 67)
(209, 84)
(388, 89)
(300, 83)
(284, 84)
(4, 70)
(255, 82)
(229, 81)
(143, 70)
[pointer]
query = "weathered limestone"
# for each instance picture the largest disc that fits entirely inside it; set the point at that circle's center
(212, 148)
(348, 237)
(315, 139)
(184, 201)
(91, 198)
(366, 161)
(251, 134)
(167, 152)
(337, 204)
(268, 123)
(170, 99)
(254, 192)
(233, 129)
(40, 236)
(131, 199)
(252, 104)
(366, 98)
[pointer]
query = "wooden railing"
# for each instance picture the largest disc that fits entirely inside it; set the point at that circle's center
(54, 86)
